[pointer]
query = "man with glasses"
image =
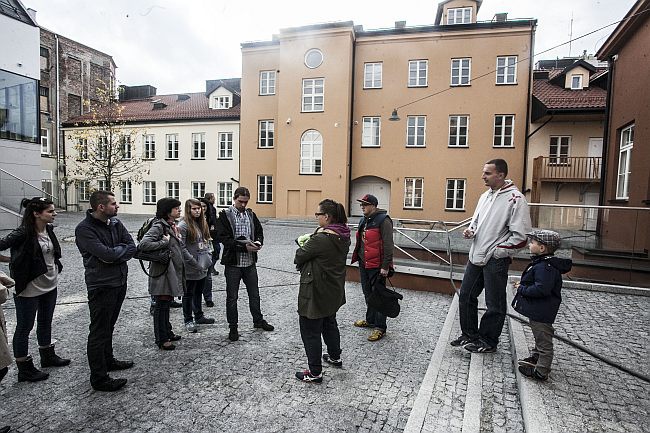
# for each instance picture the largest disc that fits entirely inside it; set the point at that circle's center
(374, 252)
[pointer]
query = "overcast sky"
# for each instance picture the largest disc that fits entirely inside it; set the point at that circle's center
(175, 45)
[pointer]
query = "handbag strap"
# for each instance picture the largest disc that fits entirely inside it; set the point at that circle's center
(154, 276)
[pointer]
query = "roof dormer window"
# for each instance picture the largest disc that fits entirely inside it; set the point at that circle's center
(576, 82)
(459, 16)
(220, 102)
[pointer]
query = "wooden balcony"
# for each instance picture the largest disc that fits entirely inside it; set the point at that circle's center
(582, 169)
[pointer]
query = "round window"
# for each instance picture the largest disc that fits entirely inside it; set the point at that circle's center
(313, 58)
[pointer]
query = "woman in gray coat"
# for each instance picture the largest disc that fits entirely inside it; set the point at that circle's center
(164, 233)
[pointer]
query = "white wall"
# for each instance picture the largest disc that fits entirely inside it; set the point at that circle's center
(20, 45)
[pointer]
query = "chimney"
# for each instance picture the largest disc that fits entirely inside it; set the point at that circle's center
(501, 17)
(400, 24)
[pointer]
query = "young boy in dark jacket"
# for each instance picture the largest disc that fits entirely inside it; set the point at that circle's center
(538, 298)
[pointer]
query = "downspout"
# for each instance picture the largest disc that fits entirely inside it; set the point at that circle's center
(529, 97)
(59, 143)
(608, 106)
(354, 50)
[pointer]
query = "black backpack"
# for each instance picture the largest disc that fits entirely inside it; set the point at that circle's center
(145, 228)
(143, 256)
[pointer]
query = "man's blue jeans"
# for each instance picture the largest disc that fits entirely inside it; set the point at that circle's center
(494, 278)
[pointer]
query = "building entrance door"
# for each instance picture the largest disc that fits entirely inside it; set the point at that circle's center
(376, 186)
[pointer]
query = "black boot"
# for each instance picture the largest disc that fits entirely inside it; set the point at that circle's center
(5, 429)
(27, 371)
(51, 359)
(3, 373)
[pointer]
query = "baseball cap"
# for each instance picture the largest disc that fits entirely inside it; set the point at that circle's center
(546, 237)
(368, 199)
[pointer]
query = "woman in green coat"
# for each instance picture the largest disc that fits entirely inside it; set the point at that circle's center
(321, 261)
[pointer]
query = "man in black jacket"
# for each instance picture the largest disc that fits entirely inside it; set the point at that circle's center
(105, 246)
(241, 234)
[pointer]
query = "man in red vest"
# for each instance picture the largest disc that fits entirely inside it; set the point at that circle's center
(374, 252)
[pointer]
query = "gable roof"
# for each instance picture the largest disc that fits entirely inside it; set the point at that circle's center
(441, 7)
(638, 14)
(15, 9)
(232, 84)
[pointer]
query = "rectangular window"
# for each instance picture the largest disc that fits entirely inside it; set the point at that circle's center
(313, 94)
(559, 150)
(221, 102)
(198, 189)
(458, 131)
(125, 147)
(82, 149)
(84, 190)
(504, 125)
(18, 107)
(372, 75)
(413, 192)
(624, 163)
(198, 145)
(44, 93)
(460, 71)
(267, 83)
(149, 192)
(370, 137)
(102, 148)
(265, 189)
(225, 145)
(172, 146)
(45, 59)
(266, 134)
(507, 70)
(45, 141)
(224, 190)
(415, 131)
(576, 82)
(418, 73)
(459, 16)
(126, 191)
(173, 190)
(149, 147)
(455, 199)
(102, 185)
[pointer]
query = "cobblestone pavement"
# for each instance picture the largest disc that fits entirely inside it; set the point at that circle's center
(209, 384)
(584, 394)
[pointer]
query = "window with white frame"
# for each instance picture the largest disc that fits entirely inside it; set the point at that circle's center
(418, 73)
(126, 191)
(458, 131)
(198, 189)
(576, 82)
(372, 75)
(265, 189)
(102, 148)
(455, 197)
(459, 15)
(149, 192)
(413, 192)
(172, 146)
(225, 145)
(102, 185)
(173, 189)
(370, 136)
(224, 194)
(82, 149)
(45, 141)
(559, 149)
(83, 190)
(311, 152)
(460, 71)
(624, 163)
(504, 125)
(149, 147)
(266, 134)
(198, 145)
(125, 147)
(221, 102)
(313, 94)
(415, 131)
(507, 70)
(267, 82)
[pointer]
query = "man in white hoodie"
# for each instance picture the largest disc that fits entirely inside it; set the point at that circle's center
(498, 229)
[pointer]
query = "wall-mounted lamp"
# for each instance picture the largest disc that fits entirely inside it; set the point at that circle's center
(394, 117)
(289, 121)
(234, 180)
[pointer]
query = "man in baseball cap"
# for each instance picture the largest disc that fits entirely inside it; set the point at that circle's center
(369, 199)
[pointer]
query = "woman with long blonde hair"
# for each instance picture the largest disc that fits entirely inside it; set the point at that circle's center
(195, 234)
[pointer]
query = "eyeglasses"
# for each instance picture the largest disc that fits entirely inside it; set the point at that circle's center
(319, 213)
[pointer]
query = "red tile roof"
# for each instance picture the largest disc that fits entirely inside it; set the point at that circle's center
(556, 97)
(195, 107)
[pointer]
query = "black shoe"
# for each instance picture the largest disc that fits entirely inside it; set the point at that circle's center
(27, 371)
(204, 320)
(479, 347)
(151, 308)
(5, 429)
(109, 385)
(233, 335)
(164, 346)
(209, 304)
(461, 341)
(264, 325)
(532, 372)
(175, 304)
(214, 272)
(3, 373)
(306, 376)
(334, 362)
(175, 337)
(531, 361)
(51, 359)
(119, 365)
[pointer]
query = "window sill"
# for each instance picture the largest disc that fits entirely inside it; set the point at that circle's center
(502, 147)
(263, 202)
(148, 159)
(171, 159)
(310, 174)
(266, 147)
(152, 204)
(197, 159)
(372, 88)
(619, 201)
(460, 85)
(313, 111)
(370, 146)
(417, 87)
(458, 147)
(416, 147)
(224, 159)
(266, 94)
(454, 210)
(125, 202)
(412, 208)
(506, 84)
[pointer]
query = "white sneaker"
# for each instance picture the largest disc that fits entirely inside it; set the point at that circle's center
(191, 327)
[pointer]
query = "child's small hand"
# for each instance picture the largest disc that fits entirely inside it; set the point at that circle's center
(516, 284)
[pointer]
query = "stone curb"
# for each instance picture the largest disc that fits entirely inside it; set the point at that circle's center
(473, 399)
(419, 411)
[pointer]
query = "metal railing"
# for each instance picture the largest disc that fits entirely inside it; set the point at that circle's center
(13, 189)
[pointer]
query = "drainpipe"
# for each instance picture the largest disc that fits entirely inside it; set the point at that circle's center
(354, 50)
(608, 106)
(58, 126)
(529, 97)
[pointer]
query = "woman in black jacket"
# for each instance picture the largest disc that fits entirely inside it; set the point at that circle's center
(35, 265)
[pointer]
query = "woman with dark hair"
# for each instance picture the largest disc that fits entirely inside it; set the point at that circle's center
(165, 281)
(35, 266)
(196, 238)
(321, 261)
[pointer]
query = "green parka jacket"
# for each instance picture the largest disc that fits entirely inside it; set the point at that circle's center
(321, 261)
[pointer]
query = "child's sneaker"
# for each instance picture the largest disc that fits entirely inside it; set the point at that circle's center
(335, 362)
(532, 372)
(531, 361)
(306, 376)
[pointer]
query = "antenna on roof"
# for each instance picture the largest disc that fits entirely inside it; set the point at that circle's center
(570, 33)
